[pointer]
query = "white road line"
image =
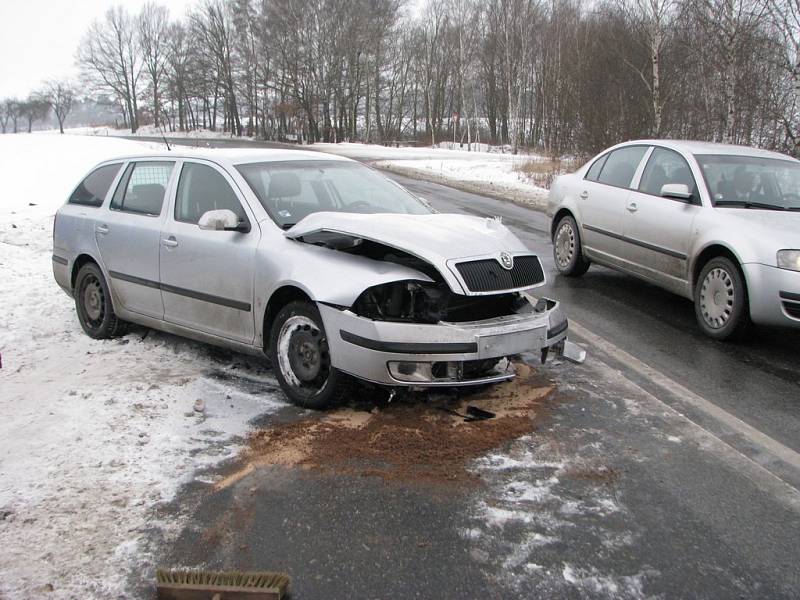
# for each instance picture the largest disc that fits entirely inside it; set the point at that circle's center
(758, 438)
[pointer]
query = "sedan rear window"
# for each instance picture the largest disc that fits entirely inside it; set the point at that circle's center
(92, 190)
(621, 166)
(292, 190)
(594, 170)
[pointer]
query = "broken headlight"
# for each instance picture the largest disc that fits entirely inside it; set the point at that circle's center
(403, 301)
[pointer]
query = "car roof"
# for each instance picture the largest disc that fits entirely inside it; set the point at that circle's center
(236, 156)
(699, 148)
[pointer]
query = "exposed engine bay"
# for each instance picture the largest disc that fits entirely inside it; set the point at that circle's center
(416, 301)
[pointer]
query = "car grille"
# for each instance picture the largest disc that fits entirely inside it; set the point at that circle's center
(488, 275)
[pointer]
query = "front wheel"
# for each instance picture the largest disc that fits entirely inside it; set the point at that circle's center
(93, 304)
(300, 355)
(720, 300)
(567, 250)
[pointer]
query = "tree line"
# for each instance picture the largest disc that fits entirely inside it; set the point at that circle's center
(556, 76)
(56, 98)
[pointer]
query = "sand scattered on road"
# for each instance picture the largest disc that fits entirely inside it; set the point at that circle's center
(408, 440)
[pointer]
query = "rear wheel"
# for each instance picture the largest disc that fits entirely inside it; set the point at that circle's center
(720, 300)
(300, 355)
(94, 306)
(567, 250)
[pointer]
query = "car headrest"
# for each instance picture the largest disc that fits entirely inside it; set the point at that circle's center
(284, 185)
(146, 198)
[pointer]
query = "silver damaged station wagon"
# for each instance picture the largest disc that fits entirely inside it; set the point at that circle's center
(327, 267)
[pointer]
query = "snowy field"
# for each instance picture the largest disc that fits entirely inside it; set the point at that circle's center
(500, 174)
(95, 436)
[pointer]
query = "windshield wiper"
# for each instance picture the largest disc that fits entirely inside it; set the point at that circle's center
(286, 226)
(749, 204)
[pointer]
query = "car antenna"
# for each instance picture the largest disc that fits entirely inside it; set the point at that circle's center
(163, 137)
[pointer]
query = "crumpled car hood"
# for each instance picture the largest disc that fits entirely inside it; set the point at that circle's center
(435, 238)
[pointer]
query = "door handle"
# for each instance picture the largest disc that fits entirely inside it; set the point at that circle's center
(584, 194)
(101, 229)
(170, 242)
(632, 207)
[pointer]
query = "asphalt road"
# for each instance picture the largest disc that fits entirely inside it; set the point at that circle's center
(702, 436)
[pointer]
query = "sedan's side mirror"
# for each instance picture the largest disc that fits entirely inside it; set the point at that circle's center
(222, 220)
(678, 191)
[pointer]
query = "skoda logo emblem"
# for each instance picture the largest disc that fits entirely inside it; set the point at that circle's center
(506, 260)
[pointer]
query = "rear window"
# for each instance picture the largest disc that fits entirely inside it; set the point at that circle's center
(143, 187)
(594, 170)
(621, 166)
(92, 190)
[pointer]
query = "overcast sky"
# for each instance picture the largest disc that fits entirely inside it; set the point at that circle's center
(38, 38)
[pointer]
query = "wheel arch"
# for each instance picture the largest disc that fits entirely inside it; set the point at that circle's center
(714, 250)
(81, 260)
(560, 214)
(279, 298)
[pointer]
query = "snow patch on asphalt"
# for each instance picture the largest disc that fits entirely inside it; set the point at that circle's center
(96, 436)
(530, 515)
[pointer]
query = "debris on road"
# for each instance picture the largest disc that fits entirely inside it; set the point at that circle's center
(404, 440)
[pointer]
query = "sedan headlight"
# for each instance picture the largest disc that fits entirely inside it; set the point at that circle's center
(789, 259)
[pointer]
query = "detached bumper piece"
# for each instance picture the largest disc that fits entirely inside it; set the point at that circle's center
(446, 353)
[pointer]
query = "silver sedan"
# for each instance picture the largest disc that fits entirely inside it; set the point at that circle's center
(321, 263)
(715, 223)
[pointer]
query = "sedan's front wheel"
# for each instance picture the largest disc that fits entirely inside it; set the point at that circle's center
(301, 358)
(720, 300)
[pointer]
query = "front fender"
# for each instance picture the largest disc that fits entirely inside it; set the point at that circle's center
(325, 275)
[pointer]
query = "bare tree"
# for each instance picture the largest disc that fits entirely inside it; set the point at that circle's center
(59, 95)
(110, 55)
(153, 31)
(35, 108)
(652, 20)
(729, 25)
(11, 113)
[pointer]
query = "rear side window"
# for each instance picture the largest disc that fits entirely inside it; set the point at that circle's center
(621, 166)
(202, 188)
(594, 170)
(142, 188)
(92, 190)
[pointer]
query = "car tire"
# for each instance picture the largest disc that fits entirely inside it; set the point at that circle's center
(300, 356)
(94, 305)
(567, 249)
(720, 300)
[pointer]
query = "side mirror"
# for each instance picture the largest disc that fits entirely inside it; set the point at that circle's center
(222, 220)
(678, 191)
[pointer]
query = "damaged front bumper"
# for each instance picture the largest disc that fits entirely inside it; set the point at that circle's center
(443, 354)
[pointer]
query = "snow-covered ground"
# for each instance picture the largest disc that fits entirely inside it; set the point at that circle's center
(500, 174)
(95, 436)
(150, 131)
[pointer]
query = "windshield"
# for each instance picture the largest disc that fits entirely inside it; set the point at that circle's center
(292, 190)
(750, 182)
